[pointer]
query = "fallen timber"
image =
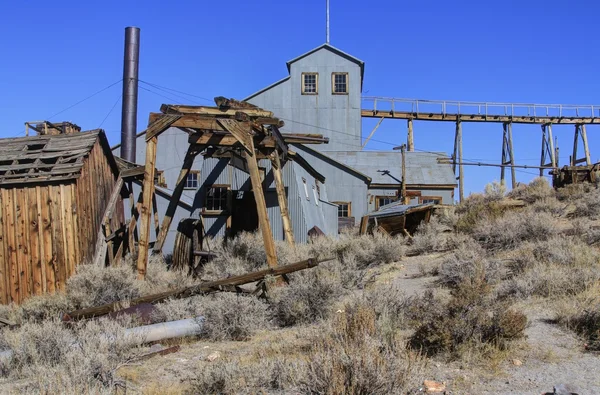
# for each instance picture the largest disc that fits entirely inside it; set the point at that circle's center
(202, 288)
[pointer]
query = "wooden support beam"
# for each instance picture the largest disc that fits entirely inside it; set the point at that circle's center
(146, 211)
(586, 148)
(206, 287)
(405, 199)
(508, 157)
(261, 207)
(155, 215)
(281, 197)
(161, 124)
(547, 149)
(461, 174)
(372, 132)
(201, 110)
(101, 246)
(241, 131)
(188, 161)
(410, 138)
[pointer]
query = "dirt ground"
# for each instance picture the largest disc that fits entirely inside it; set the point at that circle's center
(547, 356)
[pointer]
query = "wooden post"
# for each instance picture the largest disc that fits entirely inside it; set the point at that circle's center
(283, 206)
(461, 182)
(146, 211)
(586, 148)
(551, 145)
(155, 214)
(544, 150)
(575, 141)
(261, 205)
(405, 199)
(410, 138)
(131, 233)
(512, 157)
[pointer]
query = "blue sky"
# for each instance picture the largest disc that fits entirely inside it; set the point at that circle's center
(57, 53)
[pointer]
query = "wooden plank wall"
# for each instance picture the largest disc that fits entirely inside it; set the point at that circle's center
(47, 230)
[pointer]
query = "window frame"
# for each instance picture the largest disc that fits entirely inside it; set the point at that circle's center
(438, 198)
(333, 75)
(349, 210)
(303, 86)
(227, 200)
(197, 173)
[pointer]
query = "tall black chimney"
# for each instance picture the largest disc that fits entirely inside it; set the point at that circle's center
(130, 93)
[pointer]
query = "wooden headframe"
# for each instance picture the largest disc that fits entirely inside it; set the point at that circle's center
(232, 125)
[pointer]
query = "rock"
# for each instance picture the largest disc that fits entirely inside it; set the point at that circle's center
(433, 386)
(214, 356)
(565, 389)
(517, 362)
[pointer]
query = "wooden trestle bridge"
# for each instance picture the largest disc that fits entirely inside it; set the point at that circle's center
(545, 115)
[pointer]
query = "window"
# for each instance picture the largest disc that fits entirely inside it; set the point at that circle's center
(315, 195)
(191, 181)
(344, 209)
(305, 188)
(339, 83)
(383, 200)
(216, 198)
(159, 179)
(310, 82)
(430, 199)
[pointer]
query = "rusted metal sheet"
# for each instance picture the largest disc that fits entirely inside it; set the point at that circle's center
(396, 218)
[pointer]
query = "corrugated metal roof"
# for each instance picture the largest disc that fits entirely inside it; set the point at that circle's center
(393, 209)
(385, 167)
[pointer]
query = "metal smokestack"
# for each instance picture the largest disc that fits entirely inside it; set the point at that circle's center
(130, 93)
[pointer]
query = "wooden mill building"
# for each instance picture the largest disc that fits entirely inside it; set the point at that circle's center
(54, 190)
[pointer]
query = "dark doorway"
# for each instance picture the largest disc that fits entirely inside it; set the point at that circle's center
(244, 217)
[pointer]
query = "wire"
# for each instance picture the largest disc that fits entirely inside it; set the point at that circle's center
(161, 95)
(87, 98)
(175, 90)
(110, 111)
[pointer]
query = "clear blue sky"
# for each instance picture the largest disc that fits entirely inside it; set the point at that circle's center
(57, 53)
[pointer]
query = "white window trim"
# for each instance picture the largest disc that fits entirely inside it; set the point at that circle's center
(302, 85)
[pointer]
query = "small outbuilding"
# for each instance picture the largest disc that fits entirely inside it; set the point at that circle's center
(54, 192)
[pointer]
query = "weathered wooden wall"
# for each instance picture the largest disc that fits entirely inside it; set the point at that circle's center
(47, 229)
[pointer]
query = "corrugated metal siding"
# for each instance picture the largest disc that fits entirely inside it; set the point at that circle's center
(335, 116)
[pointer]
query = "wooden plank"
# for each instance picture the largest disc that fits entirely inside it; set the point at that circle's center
(66, 193)
(101, 246)
(188, 161)
(76, 234)
(148, 191)
(202, 110)
(190, 121)
(261, 207)
(22, 253)
(131, 231)
(4, 267)
(34, 240)
(9, 206)
(160, 125)
(364, 224)
(427, 116)
(58, 239)
(281, 197)
(49, 257)
(241, 131)
(40, 235)
(207, 287)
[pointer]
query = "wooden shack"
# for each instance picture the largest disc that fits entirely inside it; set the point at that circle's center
(54, 191)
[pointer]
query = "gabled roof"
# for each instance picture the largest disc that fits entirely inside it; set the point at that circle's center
(49, 158)
(266, 88)
(324, 156)
(336, 51)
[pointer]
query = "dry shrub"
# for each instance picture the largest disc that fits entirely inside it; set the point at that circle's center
(549, 205)
(95, 285)
(477, 208)
(468, 262)
(229, 316)
(430, 237)
(584, 197)
(368, 250)
(513, 228)
(582, 315)
(343, 356)
(352, 358)
(536, 190)
(51, 358)
(573, 192)
(308, 297)
(471, 316)
(550, 280)
(160, 278)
